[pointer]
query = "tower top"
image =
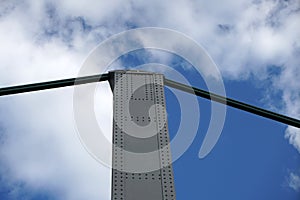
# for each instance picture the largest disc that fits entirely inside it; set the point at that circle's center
(133, 72)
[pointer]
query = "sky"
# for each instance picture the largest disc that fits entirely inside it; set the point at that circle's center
(255, 44)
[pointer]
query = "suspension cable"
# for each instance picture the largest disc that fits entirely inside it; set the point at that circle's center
(235, 104)
(52, 84)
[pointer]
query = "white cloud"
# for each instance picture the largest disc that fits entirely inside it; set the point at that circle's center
(42, 150)
(43, 40)
(294, 182)
(293, 135)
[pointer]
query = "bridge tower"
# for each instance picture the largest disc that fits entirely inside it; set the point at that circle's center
(140, 126)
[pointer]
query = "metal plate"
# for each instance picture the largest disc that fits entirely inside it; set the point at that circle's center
(142, 90)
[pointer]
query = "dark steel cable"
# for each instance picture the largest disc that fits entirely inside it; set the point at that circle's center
(192, 90)
(52, 84)
(233, 103)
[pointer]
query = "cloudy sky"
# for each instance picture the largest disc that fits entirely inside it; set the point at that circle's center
(255, 44)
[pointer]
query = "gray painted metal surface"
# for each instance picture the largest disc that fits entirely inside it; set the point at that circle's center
(138, 92)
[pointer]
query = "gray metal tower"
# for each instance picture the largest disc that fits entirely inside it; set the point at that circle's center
(140, 126)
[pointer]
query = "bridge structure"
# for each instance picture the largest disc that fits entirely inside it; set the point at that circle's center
(140, 126)
(136, 129)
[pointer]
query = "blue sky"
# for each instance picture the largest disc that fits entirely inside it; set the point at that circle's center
(255, 44)
(250, 161)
